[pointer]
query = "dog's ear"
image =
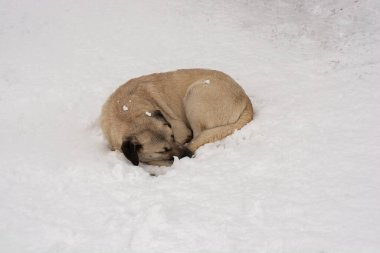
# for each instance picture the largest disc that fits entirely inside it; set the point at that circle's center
(158, 115)
(130, 147)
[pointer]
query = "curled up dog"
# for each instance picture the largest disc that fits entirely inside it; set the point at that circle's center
(153, 118)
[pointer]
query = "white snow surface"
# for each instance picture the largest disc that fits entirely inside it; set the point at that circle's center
(304, 176)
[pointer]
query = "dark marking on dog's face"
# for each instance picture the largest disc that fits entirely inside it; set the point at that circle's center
(154, 144)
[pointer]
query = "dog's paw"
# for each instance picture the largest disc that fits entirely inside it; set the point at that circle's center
(182, 134)
(189, 137)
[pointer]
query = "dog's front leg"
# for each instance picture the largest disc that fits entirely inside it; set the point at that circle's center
(182, 134)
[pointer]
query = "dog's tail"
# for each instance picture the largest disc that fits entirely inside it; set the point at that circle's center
(220, 132)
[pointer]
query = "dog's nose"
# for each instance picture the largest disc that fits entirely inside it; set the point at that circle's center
(186, 153)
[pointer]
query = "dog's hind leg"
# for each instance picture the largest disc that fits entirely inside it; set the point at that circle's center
(215, 108)
(220, 132)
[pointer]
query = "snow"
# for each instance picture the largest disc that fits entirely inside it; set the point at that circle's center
(125, 108)
(148, 114)
(302, 177)
(206, 82)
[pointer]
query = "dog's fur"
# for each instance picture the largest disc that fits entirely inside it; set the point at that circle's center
(152, 118)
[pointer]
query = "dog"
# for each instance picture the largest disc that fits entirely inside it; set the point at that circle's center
(155, 117)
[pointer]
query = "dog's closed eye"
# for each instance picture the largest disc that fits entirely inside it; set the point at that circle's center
(166, 150)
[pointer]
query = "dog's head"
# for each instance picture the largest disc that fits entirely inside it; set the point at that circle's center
(153, 143)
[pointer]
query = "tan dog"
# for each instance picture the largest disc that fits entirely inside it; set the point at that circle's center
(152, 118)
